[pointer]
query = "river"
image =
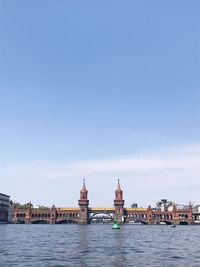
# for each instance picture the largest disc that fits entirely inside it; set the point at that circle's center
(99, 245)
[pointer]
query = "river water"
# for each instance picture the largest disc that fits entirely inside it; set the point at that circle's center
(99, 245)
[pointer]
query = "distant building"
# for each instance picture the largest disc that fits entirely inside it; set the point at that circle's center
(134, 205)
(164, 205)
(4, 208)
(196, 214)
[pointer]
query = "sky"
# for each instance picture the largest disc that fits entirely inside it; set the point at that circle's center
(101, 90)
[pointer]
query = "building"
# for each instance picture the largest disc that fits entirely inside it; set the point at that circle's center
(4, 208)
(134, 205)
(164, 205)
(196, 214)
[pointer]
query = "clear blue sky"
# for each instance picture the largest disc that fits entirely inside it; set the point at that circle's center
(92, 80)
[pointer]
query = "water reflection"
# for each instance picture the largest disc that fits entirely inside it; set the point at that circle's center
(83, 244)
(119, 248)
(98, 245)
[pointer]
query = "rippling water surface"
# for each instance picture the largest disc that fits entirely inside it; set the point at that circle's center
(99, 245)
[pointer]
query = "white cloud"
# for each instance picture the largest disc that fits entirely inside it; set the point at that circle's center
(185, 157)
(170, 170)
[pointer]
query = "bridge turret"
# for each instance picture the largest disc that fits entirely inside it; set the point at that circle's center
(119, 204)
(83, 204)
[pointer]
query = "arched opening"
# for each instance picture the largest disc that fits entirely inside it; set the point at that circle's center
(40, 222)
(101, 217)
(20, 221)
(166, 222)
(66, 221)
(183, 223)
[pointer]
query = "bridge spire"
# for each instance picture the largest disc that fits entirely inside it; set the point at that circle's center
(84, 187)
(118, 185)
(118, 191)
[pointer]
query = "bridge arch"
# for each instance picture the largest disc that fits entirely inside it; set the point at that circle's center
(167, 222)
(183, 223)
(140, 221)
(66, 221)
(101, 217)
(40, 222)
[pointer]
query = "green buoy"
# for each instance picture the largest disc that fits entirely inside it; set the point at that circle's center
(115, 225)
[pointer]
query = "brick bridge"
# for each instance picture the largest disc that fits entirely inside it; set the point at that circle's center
(85, 214)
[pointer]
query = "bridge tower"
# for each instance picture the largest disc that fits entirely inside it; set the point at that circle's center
(119, 204)
(83, 204)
